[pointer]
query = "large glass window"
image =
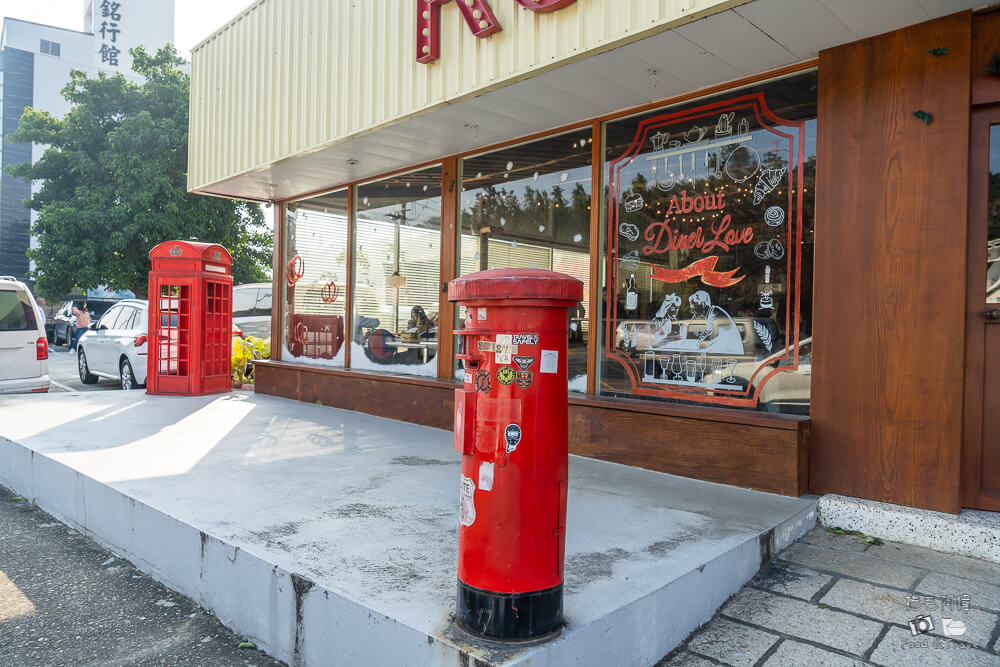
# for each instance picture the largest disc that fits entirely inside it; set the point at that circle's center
(397, 279)
(709, 250)
(528, 206)
(315, 273)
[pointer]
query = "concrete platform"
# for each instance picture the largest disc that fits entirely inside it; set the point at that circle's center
(329, 537)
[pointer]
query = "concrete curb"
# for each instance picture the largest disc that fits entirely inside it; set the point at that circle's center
(971, 533)
(300, 622)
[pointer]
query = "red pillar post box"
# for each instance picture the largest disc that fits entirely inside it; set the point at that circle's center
(190, 319)
(511, 427)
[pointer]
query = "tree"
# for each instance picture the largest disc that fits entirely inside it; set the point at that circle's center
(113, 183)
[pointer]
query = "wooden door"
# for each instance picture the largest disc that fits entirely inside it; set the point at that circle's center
(981, 452)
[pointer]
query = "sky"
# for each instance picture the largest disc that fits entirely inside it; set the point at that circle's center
(193, 19)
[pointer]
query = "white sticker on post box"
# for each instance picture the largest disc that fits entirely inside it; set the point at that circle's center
(503, 348)
(467, 505)
(550, 361)
(485, 476)
(481, 313)
(467, 378)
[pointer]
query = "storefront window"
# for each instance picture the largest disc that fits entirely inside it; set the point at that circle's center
(397, 280)
(528, 206)
(993, 220)
(709, 250)
(315, 271)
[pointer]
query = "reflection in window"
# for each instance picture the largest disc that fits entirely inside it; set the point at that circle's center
(993, 220)
(709, 202)
(397, 279)
(528, 206)
(315, 271)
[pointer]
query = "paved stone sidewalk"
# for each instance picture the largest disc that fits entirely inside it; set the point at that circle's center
(834, 600)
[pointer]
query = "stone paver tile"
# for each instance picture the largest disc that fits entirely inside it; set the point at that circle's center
(890, 606)
(980, 594)
(804, 620)
(819, 537)
(862, 566)
(791, 579)
(795, 654)
(685, 659)
(959, 566)
(900, 649)
(732, 643)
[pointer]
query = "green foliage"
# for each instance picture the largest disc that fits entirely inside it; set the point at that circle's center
(245, 352)
(114, 183)
(867, 539)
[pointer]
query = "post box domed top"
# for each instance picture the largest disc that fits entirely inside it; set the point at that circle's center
(515, 285)
(212, 252)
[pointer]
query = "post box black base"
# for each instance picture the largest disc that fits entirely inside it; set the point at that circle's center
(509, 616)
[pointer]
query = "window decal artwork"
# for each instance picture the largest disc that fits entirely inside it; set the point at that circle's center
(709, 202)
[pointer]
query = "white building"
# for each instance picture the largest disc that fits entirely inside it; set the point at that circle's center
(35, 66)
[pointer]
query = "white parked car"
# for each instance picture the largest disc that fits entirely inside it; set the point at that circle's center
(24, 351)
(115, 347)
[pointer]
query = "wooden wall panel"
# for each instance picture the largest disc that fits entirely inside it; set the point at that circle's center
(889, 290)
(766, 452)
(985, 42)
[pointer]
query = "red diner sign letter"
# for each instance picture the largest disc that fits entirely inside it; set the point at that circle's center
(544, 5)
(477, 14)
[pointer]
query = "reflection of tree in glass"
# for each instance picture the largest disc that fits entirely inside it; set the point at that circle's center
(537, 215)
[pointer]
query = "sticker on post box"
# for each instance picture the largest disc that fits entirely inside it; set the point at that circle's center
(526, 339)
(466, 504)
(512, 434)
(485, 346)
(505, 375)
(504, 348)
(523, 379)
(550, 361)
(467, 378)
(481, 314)
(524, 363)
(485, 476)
(482, 381)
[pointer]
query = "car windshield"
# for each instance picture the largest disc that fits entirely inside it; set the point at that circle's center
(16, 313)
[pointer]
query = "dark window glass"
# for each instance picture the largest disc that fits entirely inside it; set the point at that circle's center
(397, 274)
(993, 221)
(315, 276)
(107, 320)
(15, 312)
(709, 250)
(528, 207)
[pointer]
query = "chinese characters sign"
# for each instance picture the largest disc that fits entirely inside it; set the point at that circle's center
(109, 28)
(704, 252)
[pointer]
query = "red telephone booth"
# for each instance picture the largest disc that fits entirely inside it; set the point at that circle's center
(190, 319)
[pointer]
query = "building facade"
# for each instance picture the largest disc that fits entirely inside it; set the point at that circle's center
(36, 64)
(780, 211)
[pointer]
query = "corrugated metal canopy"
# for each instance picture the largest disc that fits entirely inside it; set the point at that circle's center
(269, 121)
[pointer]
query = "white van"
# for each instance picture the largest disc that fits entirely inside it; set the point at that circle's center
(24, 351)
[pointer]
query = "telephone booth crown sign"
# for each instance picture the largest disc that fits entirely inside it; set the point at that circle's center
(190, 318)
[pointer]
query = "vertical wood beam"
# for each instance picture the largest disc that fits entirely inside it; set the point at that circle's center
(277, 279)
(449, 263)
(596, 188)
(349, 287)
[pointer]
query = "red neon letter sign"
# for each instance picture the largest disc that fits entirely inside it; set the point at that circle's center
(544, 5)
(477, 14)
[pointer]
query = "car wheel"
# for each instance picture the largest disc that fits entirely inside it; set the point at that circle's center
(86, 376)
(126, 375)
(55, 335)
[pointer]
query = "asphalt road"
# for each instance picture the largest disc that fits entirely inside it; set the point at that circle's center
(64, 376)
(66, 601)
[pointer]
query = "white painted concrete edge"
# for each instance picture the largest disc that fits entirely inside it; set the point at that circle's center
(299, 622)
(971, 533)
